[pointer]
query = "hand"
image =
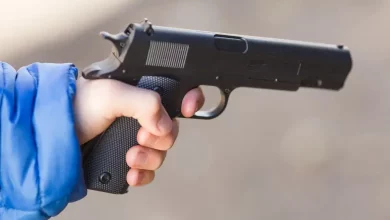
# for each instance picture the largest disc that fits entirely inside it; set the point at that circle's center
(99, 102)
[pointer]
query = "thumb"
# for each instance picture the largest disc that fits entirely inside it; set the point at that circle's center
(98, 103)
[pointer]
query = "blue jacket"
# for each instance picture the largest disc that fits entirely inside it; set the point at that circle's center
(40, 158)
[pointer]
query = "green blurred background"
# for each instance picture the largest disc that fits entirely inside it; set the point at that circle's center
(271, 155)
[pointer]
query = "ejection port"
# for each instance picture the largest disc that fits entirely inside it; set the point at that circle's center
(230, 44)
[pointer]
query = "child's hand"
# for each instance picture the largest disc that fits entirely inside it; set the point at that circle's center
(99, 102)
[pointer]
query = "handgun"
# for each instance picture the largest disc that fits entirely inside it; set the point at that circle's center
(172, 61)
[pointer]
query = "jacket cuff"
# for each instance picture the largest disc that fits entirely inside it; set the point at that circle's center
(41, 162)
(59, 154)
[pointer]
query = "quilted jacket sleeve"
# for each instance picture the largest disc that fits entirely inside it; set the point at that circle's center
(40, 159)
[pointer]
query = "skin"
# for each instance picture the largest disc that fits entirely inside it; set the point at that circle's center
(99, 102)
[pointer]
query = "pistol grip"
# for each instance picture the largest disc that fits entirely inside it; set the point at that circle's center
(105, 167)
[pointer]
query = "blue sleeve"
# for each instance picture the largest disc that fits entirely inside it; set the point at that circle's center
(40, 158)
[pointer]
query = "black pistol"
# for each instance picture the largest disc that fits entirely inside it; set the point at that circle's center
(173, 61)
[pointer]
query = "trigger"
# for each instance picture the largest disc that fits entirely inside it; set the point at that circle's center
(118, 40)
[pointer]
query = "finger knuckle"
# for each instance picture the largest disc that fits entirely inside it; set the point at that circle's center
(170, 142)
(132, 155)
(166, 144)
(171, 139)
(161, 160)
(143, 138)
(153, 101)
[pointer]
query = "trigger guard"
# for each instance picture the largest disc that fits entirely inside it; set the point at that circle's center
(217, 111)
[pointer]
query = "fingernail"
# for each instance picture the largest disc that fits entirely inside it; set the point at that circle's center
(141, 159)
(165, 124)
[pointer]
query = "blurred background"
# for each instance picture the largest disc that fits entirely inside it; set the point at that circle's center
(272, 155)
